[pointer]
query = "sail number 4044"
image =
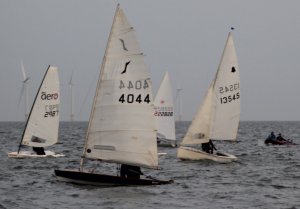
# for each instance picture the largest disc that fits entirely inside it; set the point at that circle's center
(229, 98)
(131, 98)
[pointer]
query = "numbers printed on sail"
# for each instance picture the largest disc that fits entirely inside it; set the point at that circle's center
(131, 98)
(139, 84)
(229, 88)
(230, 98)
(51, 110)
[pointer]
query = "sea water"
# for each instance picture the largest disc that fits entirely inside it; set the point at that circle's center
(263, 176)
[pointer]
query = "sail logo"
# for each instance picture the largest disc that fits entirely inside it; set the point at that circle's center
(46, 96)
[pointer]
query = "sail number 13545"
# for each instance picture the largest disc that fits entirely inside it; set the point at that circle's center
(230, 98)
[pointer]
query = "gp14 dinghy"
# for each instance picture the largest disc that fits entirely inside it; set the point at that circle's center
(41, 129)
(121, 127)
(164, 114)
(218, 116)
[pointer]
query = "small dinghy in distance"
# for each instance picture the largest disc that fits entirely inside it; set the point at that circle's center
(121, 127)
(218, 116)
(41, 129)
(164, 114)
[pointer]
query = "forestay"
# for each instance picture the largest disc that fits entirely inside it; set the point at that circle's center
(42, 125)
(164, 112)
(122, 125)
(218, 115)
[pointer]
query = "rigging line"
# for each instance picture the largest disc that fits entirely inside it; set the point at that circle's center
(87, 94)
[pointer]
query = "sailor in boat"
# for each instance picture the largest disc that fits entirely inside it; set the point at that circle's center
(271, 139)
(38, 150)
(208, 147)
(130, 171)
(280, 138)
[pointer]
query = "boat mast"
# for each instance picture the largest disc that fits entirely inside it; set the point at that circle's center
(97, 88)
(32, 109)
(71, 99)
(179, 104)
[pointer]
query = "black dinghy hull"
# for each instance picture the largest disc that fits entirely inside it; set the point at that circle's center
(78, 177)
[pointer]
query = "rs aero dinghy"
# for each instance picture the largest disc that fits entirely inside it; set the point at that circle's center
(219, 114)
(121, 127)
(41, 129)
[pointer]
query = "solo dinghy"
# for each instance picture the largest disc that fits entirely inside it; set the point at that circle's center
(164, 114)
(218, 116)
(121, 127)
(41, 129)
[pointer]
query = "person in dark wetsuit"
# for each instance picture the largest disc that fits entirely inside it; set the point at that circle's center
(280, 138)
(130, 171)
(39, 150)
(212, 147)
(271, 139)
(208, 147)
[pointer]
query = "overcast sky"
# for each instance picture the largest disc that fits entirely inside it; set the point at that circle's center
(185, 37)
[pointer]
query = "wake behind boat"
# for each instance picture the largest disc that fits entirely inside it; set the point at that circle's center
(24, 154)
(218, 116)
(41, 127)
(121, 127)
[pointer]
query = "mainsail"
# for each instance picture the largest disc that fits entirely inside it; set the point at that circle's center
(122, 124)
(164, 110)
(219, 114)
(42, 125)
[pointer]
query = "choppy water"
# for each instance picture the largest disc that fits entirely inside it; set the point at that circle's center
(263, 177)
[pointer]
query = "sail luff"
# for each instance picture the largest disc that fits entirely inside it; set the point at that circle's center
(98, 85)
(221, 60)
(28, 118)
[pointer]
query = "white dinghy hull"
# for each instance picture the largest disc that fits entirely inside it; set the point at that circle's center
(25, 154)
(189, 153)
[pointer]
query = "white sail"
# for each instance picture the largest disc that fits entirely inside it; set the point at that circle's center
(42, 125)
(219, 114)
(199, 130)
(122, 124)
(164, 110)
(227, 95)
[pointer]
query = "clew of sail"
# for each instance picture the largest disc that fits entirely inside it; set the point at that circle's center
(122, 125)
(164, 109)
(42, 125)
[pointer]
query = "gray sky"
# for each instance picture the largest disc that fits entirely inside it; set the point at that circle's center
(185, 37)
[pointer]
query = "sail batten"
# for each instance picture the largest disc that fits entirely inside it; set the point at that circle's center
(122, 117)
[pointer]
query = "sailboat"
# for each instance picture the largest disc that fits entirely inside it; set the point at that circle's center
(121, 127)
(164, 114)
(218, 115)
(41, 129)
